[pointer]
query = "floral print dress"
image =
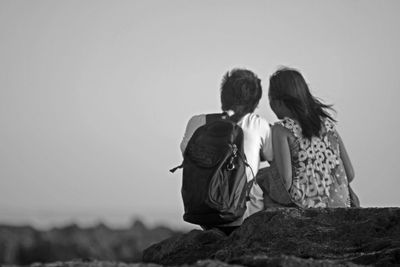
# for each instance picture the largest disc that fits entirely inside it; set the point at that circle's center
(319, 178)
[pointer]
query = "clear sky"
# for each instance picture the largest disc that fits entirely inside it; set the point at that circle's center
(95, 95)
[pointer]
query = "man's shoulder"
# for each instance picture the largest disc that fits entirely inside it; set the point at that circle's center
(257, 120)
(196, 121)
(198, 117)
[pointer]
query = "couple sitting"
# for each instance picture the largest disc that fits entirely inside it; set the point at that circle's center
(308, 166)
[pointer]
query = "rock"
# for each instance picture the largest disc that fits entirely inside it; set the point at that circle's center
(95, 263)
(293, 237)
(199, 244)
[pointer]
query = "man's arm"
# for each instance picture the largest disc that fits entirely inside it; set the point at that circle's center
(266, 152)
(194, 123)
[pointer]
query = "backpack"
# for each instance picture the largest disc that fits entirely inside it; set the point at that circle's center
(214, 183)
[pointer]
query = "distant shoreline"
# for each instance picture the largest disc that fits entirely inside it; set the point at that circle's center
(45, 220)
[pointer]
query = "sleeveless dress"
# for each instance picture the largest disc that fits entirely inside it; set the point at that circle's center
(318, 176)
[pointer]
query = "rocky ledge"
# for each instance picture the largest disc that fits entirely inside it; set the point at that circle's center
(291, 237)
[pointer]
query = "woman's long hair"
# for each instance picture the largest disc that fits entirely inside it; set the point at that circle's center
(289, 86)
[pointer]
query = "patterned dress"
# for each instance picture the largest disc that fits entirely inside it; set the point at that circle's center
(319, 178)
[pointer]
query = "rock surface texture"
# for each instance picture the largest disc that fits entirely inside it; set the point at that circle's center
(292, 237)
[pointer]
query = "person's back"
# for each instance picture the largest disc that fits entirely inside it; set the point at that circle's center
(240, 94)
(319, 178)
(256, 134)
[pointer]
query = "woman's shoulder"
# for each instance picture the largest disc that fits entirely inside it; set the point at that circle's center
(287, 125)
(330, 126)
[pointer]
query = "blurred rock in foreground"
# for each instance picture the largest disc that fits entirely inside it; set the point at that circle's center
(80, 263)
(293, 237)
(25, 245)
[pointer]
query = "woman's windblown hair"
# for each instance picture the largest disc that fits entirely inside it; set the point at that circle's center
(289, 86)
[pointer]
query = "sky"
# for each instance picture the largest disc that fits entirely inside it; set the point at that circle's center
(95, 95)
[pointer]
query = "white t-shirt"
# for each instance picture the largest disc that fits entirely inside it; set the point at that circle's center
(257, 143)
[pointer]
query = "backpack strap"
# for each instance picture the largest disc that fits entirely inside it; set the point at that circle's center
(209, 118)
(216, 116)
(177, 167)
(222, 116)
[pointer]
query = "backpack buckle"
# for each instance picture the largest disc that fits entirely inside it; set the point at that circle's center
(230, 166)
(234, 149)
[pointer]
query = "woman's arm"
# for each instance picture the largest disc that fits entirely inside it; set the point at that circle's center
(280, 146)
(348, 167)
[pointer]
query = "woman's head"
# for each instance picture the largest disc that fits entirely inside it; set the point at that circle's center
(289, 95)
(240, 91)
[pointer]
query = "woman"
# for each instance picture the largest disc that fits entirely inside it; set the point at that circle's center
(309, 154)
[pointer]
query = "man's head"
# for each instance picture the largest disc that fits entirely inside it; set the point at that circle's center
(240, 91)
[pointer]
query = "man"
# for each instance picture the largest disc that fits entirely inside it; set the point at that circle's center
(240, 95)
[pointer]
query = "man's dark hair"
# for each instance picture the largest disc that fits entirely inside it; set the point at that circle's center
(240, 91)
